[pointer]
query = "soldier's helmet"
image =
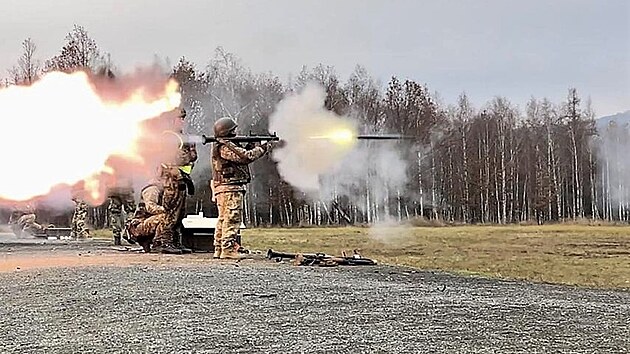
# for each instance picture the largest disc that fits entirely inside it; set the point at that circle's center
(224, 127)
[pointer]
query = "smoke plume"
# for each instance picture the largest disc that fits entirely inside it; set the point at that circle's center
(614, 141)
(323, 158)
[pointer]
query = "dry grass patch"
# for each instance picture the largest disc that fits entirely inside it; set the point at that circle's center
(103, 234)
(585, 255)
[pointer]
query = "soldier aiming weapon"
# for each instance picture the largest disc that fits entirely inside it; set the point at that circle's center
(252, 138)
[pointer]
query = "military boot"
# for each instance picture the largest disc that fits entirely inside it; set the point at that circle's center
(117, 241)
(217, 252)
(130, 239)
(146, 246)
(184, 249)
(167, 249)
(229, 253)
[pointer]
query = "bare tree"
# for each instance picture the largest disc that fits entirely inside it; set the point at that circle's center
(79, 53)
(28, 68)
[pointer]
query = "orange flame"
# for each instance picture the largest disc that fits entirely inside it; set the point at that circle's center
(67, 130)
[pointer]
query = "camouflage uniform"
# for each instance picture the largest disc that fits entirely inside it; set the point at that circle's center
(120, 198)
(27, 224)
(155, 219)
(79, 229)
(186, 158)
(230, 175)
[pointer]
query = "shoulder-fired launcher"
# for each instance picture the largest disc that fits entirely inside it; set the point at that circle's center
(252, 138)
(241, 138)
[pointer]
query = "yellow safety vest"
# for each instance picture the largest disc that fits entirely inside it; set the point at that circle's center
(186, 169)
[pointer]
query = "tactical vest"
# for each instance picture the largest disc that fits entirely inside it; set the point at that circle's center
(226, 171)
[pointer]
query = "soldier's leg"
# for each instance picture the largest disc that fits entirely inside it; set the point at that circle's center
(179, 225)
(144, 230)
(73, 225)
(179, 211)
(231, 224)
(163, 241)
(129, 204)
(81, 217)
(218, 231)
(115, 217)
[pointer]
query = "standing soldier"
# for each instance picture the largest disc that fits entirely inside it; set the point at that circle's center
(230, 175)
(120, 197)
(186, 161)
(79, 229)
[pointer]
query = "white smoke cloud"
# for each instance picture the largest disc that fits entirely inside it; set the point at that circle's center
(298, 119)
(364, 171)
(613, 165)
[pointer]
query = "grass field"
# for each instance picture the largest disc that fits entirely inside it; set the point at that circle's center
(597, 256)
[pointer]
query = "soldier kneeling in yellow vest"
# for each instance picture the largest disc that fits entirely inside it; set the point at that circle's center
(153, 223)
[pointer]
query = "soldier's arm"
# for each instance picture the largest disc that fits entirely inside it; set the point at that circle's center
(212, 185)
(235, 153)
(151, 197)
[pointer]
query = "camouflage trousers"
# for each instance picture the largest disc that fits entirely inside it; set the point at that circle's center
(179, 213)
(27, 224)
(115, 208)
(173, 200)
(230, 205)
(78, 227)
(144, 230)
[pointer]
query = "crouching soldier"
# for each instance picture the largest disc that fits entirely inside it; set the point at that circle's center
(154, 221)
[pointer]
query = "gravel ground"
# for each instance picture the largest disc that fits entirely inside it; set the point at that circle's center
(266, 307)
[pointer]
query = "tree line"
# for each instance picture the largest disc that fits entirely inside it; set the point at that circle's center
(491, 164)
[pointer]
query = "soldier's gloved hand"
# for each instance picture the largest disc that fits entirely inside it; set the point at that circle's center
(270, 145)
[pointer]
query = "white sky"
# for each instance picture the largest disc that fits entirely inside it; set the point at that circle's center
(484, 47)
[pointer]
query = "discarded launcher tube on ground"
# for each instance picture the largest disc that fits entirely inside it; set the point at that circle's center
(321, 259)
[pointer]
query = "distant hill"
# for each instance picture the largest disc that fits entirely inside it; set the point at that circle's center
(619, 118)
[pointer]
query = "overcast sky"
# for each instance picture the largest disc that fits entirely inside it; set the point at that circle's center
(484, 47)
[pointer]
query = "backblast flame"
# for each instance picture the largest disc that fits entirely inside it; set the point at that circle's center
(65, 130)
